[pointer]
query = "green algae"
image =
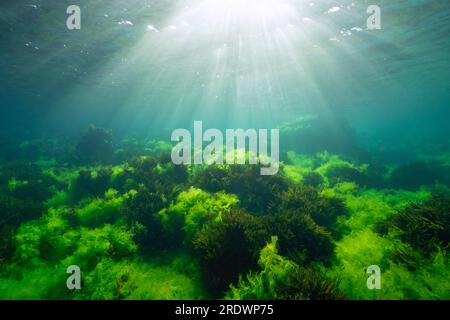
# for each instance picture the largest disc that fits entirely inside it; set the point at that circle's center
(145, 229)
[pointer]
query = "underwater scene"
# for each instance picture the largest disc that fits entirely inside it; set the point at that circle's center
(224, 149)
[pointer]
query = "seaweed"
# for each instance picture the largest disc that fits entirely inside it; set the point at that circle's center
(283, 279)
(375, 176)
(313, 179)
(159, 175)
(141, 210)
(26, 180)
(307, 200)
(213, 178)
(24, 189)
(16, 211)
(7, 232)
(257, 194)
(148, 229)
(145, 171)
(300, 236)
(346, 174)
(411, 176)
(194, 210)
(229, 248)
(95, 146)
(90, 183)
(104, 210)
(423, 226)
(309, 284)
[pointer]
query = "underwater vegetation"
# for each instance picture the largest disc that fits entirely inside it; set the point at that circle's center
(140, 227)
(423, 226)
(257, 193)
(95, 145)
(413, 175)
(281, 278)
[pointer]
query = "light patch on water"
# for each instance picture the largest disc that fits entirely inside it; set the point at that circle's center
(346, 32)
(333, 9)
(152, 28)
(124, 22)
(357, 29)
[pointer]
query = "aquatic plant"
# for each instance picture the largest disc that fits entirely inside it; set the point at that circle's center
(141, 211)
(23, 190)
(413, 175)
(194, 210)
(414, 278)
(256, 193)
(95, 146)
(159, 175)
(113, 241)
(354, 253)
(229, 248)
(281, 278)
(122, 178)
(25, 180)
(59, 199)
(15, 211)
(309, 284)
(140, 280)
(90, 183)
(147, 229)
(424, 226)
(305, 199)
(313, 179)
(213, 178)
(175, 278)
(370, 176)
(299, 235)
(263, 284)
(7, 232)
(102, 210)
(144, 169)
(376, 176)
(346, 174)
(132, 148)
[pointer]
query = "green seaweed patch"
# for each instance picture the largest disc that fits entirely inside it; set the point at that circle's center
(280, 278)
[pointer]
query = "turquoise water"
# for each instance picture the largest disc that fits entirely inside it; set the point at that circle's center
(228, 65)
(86, 118)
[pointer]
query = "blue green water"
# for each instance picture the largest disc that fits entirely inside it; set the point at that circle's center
(226, 66)
(364, 140)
